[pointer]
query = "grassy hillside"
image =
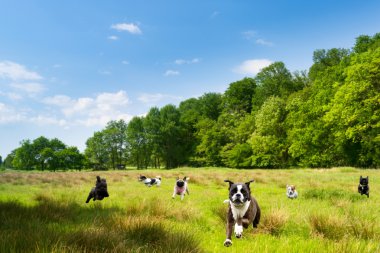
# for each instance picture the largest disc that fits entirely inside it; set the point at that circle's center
(46, 212)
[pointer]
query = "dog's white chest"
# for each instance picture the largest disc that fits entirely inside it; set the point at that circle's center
(239, 212)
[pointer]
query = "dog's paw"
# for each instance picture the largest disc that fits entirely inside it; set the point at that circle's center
(227, 243)
(238, 231)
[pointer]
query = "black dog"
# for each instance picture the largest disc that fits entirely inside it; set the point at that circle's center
(363, 187)
(99, 192)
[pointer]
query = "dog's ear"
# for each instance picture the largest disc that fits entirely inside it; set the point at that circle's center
(177, 179)
(230, 182)
(98, 179)
(186, 178)
(249, 182)
(361, 177)
(367, 179)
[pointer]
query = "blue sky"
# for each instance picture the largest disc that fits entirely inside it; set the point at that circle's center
(68, 67)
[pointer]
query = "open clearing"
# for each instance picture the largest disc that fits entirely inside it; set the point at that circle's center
(46, 212)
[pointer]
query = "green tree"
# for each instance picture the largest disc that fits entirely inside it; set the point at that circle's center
(274, 80)
(268, 142)
(24, 156)
(116, 142)
(238, 96)
(137, 138)
(96, 151)
(152, 125)
(354, 112)
(171, 138)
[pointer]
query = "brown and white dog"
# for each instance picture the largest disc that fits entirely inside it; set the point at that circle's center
(180, 187)
(243, 210)
(291, 192)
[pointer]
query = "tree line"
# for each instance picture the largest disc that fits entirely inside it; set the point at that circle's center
(326, 116)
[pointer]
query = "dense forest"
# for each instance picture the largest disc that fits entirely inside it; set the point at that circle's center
(326, 116)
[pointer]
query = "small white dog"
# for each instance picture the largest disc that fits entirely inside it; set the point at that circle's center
(291, 192)
(180, 187)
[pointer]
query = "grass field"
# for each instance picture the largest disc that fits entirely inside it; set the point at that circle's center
(46, 212)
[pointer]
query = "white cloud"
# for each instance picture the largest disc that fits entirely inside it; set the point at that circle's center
(129, 27)
(112, 37)
(91, 111)
(17, 72)
(30, 88)
(252, 67)
(171, 73)
(11, 95)
(9, 115)
(152, 99)
(181, 61)
(125, 62)
(43, 120)
(264, 42)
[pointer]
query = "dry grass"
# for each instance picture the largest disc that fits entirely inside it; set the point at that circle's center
(273, 222)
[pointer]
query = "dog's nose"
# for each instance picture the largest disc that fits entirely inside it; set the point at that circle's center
(238, 195)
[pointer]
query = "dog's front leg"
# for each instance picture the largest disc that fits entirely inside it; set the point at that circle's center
(90, 195)
(182, 196)
(230, 223)
(187, 190)
(239, 228)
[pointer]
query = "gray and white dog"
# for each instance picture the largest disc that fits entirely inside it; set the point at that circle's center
(180, 187)
(243, 210)
(100, 191)
(291, 192)
(150, 181)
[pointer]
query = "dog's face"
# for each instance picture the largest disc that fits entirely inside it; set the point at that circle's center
(364, 180)
(181, 182)
(101, 188)
(239, 192)
(142, 178)
(290, 189)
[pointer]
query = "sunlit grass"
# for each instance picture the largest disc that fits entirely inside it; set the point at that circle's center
(46, 212)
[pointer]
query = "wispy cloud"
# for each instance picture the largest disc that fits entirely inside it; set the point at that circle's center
(17, 72)
(125, 62)
(112, 37)
(264, 42)
(253, 36)
(154, 99)
(214, 14)
(105, 72)
(11, 95)
(182, 61)
(171, 73)
(128, 27)
(249, 35)
(252, 67)
(9, 114)
(30, 88)
(91, 111)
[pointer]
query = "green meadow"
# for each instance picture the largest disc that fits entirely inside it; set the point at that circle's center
(46, 212)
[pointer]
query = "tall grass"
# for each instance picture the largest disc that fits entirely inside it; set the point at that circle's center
(45, 212)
